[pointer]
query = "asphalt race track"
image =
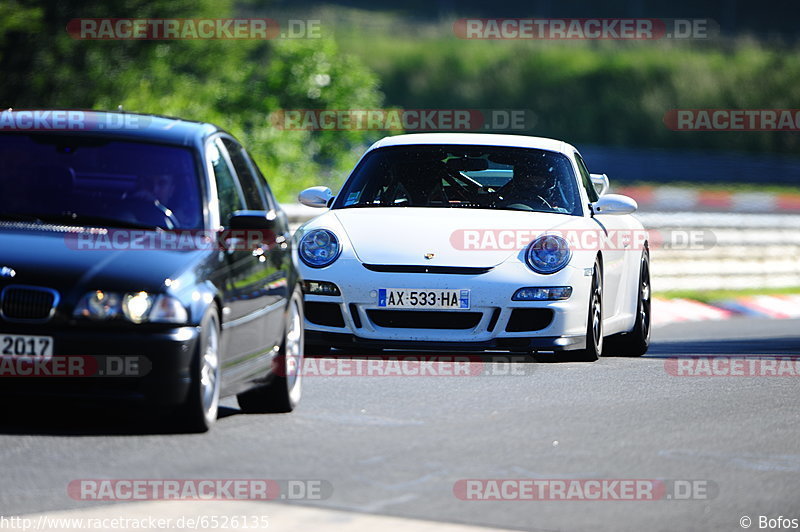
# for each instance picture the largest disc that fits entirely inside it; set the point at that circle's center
(396, 446)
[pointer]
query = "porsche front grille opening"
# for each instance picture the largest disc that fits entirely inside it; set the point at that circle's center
(326, 314)
(28, 303)
(354, 314)
(417, 319)
(493, 320)
(403, 268)
(529, 319)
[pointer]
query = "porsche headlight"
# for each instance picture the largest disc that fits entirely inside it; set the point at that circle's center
(547, 254)
(319, 248)
(136, 307)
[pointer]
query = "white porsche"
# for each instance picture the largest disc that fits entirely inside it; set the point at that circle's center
(464, 241)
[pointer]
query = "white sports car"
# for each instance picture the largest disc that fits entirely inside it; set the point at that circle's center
(464, 241)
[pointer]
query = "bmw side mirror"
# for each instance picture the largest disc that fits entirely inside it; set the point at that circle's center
(319, 197)
(255, 220)
(614, 204)
(248, 230)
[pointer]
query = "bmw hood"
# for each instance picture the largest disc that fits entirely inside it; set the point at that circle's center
(52, 259)
(441, 236)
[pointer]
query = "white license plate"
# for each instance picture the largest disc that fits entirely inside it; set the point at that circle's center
(432, 298)
(26, 346)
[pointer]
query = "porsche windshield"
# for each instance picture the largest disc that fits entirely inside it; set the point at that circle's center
(71, 179)
(458, 176)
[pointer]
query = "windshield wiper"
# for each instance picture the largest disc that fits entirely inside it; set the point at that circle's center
(18, 217)
(73, 218)
(367, 205)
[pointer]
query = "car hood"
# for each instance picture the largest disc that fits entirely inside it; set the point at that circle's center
(456, 237)
(51, 258)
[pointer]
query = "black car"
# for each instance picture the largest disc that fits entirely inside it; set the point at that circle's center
(143, 259)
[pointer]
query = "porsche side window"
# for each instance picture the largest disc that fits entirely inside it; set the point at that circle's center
(586, 179)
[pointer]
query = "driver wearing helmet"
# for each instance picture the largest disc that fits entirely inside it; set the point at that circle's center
(533, 188)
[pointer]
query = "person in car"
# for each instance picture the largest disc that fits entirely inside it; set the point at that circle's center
(160, 190)
(531, 188)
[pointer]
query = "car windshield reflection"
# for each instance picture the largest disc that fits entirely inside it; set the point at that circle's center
(484, 177)
(92, 181)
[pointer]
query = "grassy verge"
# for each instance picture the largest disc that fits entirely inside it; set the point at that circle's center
(708, 296)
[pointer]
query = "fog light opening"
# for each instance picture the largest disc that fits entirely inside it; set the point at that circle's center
(321, 288)
(542, 293)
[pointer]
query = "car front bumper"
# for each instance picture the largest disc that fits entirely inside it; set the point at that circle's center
(363, 323)
(161, 374)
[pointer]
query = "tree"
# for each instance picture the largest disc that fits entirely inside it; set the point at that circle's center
(236, 84)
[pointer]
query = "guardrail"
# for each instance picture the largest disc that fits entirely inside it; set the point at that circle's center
(745, 251)
(749, 251)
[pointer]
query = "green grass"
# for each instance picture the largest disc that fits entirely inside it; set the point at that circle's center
(709, 296)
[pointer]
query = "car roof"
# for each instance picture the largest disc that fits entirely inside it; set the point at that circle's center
(480, 139)
(122, 125)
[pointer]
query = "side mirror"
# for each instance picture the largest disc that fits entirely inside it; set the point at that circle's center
(253, 220)
(318, 197)
(600, 182)
(614, 204)
(248, 230)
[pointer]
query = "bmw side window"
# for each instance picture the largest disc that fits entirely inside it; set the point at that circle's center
(586, 179)
(230, 196)
(247, 178)
(271, 201)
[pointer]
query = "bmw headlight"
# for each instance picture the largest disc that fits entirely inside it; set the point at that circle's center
(319, 248)
(547, 254)
(167, 309)
(136, 307)
(99, 305)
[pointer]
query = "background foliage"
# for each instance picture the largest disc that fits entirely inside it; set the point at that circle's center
(603, 93)
(235, 84)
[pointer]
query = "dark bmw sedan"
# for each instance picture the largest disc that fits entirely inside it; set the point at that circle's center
(143, 260)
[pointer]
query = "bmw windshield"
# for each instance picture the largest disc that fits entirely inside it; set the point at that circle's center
(92, 181)
(457, 176)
